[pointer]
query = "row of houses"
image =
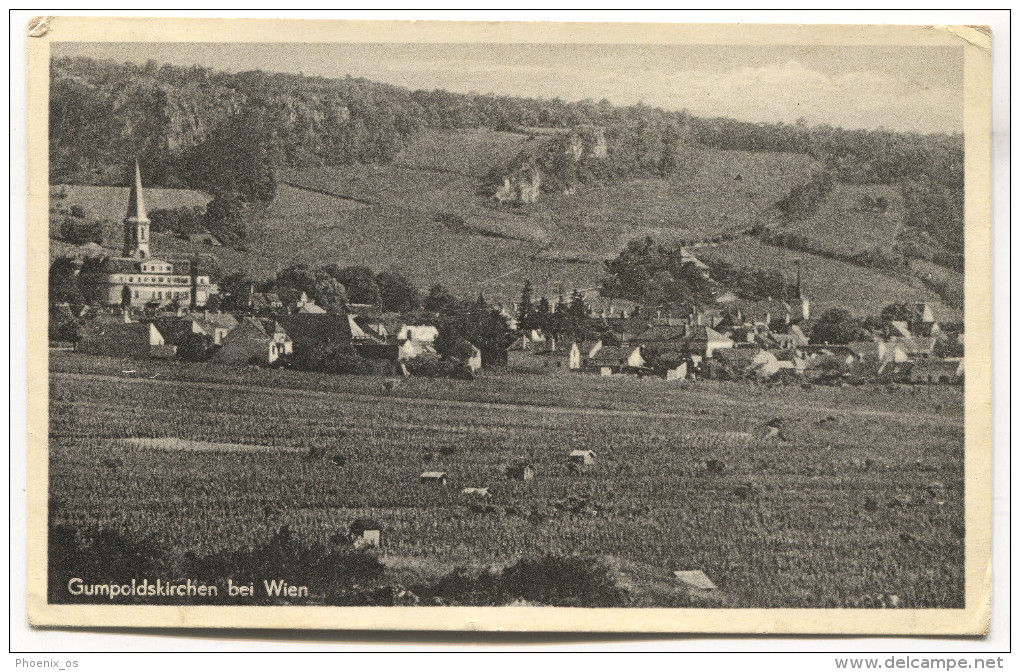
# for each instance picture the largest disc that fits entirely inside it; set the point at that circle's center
(750, 342)
(260, 340)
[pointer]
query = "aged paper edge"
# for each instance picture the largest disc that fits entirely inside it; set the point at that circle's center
(973, 620)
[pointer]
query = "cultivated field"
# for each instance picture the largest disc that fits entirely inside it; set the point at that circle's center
(845, 507)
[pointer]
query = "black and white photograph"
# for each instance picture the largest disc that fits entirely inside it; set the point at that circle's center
(617, 329)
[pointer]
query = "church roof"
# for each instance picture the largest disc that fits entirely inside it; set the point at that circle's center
(136, 200)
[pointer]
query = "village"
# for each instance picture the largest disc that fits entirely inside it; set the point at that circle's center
(139, 306)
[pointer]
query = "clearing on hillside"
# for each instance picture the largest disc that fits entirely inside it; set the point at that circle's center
(848, 221)
(834, 284)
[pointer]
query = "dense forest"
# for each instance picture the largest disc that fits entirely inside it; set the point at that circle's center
(231, 133)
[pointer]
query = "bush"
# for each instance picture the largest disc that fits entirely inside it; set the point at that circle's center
(81, 231)
(430, 367)
(180, 221)
(328, 358)
(331, 572)
(195, 348)
(98, 555)
(564, 581)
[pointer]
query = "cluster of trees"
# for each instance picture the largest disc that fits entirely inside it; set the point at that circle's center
(569, 320)
(78, 228)
(839, 326)
(656, 274)
(332, 287)
(463, 323)
(803, 200)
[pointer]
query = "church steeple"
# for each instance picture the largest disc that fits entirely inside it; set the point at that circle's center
(136, 222)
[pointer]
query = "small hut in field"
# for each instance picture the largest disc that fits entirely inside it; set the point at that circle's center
(582, 458)
(437, 478)
(522, 471)
(366, 532)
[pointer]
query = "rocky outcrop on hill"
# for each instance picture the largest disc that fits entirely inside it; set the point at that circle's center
(553, 167)
(521, 187)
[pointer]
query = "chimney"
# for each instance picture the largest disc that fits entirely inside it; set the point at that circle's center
(552, 345)
(797, 264)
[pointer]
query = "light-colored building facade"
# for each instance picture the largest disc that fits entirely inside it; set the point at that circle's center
(137, 278)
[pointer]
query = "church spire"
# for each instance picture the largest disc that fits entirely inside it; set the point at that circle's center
(136, 201)
(136, 222)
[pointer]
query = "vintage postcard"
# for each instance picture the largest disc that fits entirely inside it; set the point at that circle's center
(509, 326)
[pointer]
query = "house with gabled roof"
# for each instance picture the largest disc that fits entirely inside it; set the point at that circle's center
(217, 325)
(119, 336)
(915, 347)
(613, 359)
(750, 361)
(425, 333)
(176, 330)
(254, 340)
(936, 371)
(705, 341)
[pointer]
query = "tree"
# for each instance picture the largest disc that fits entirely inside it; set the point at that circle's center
(359, 281)
(440, 300)
(450, 345)
(397, 293)
(897, 312)
(577, 309)
(328, 293)
(526, 310)
(543, 315)
(181, 221)
(125, 297)
(233, 291)
(837, 326)
(81, 231)
(240, 156)
(64, 286)
(195, 348)
(224, 217)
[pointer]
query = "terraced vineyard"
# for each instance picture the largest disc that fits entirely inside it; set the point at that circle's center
(680, 482)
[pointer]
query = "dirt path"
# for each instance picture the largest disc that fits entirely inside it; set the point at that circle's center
(452, 403)
(332, 194)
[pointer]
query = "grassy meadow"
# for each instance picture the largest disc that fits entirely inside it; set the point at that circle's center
(846, 506)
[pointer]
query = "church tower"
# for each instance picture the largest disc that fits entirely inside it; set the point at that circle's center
(136, 223)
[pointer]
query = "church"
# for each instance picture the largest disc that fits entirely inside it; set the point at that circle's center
(137, 278)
